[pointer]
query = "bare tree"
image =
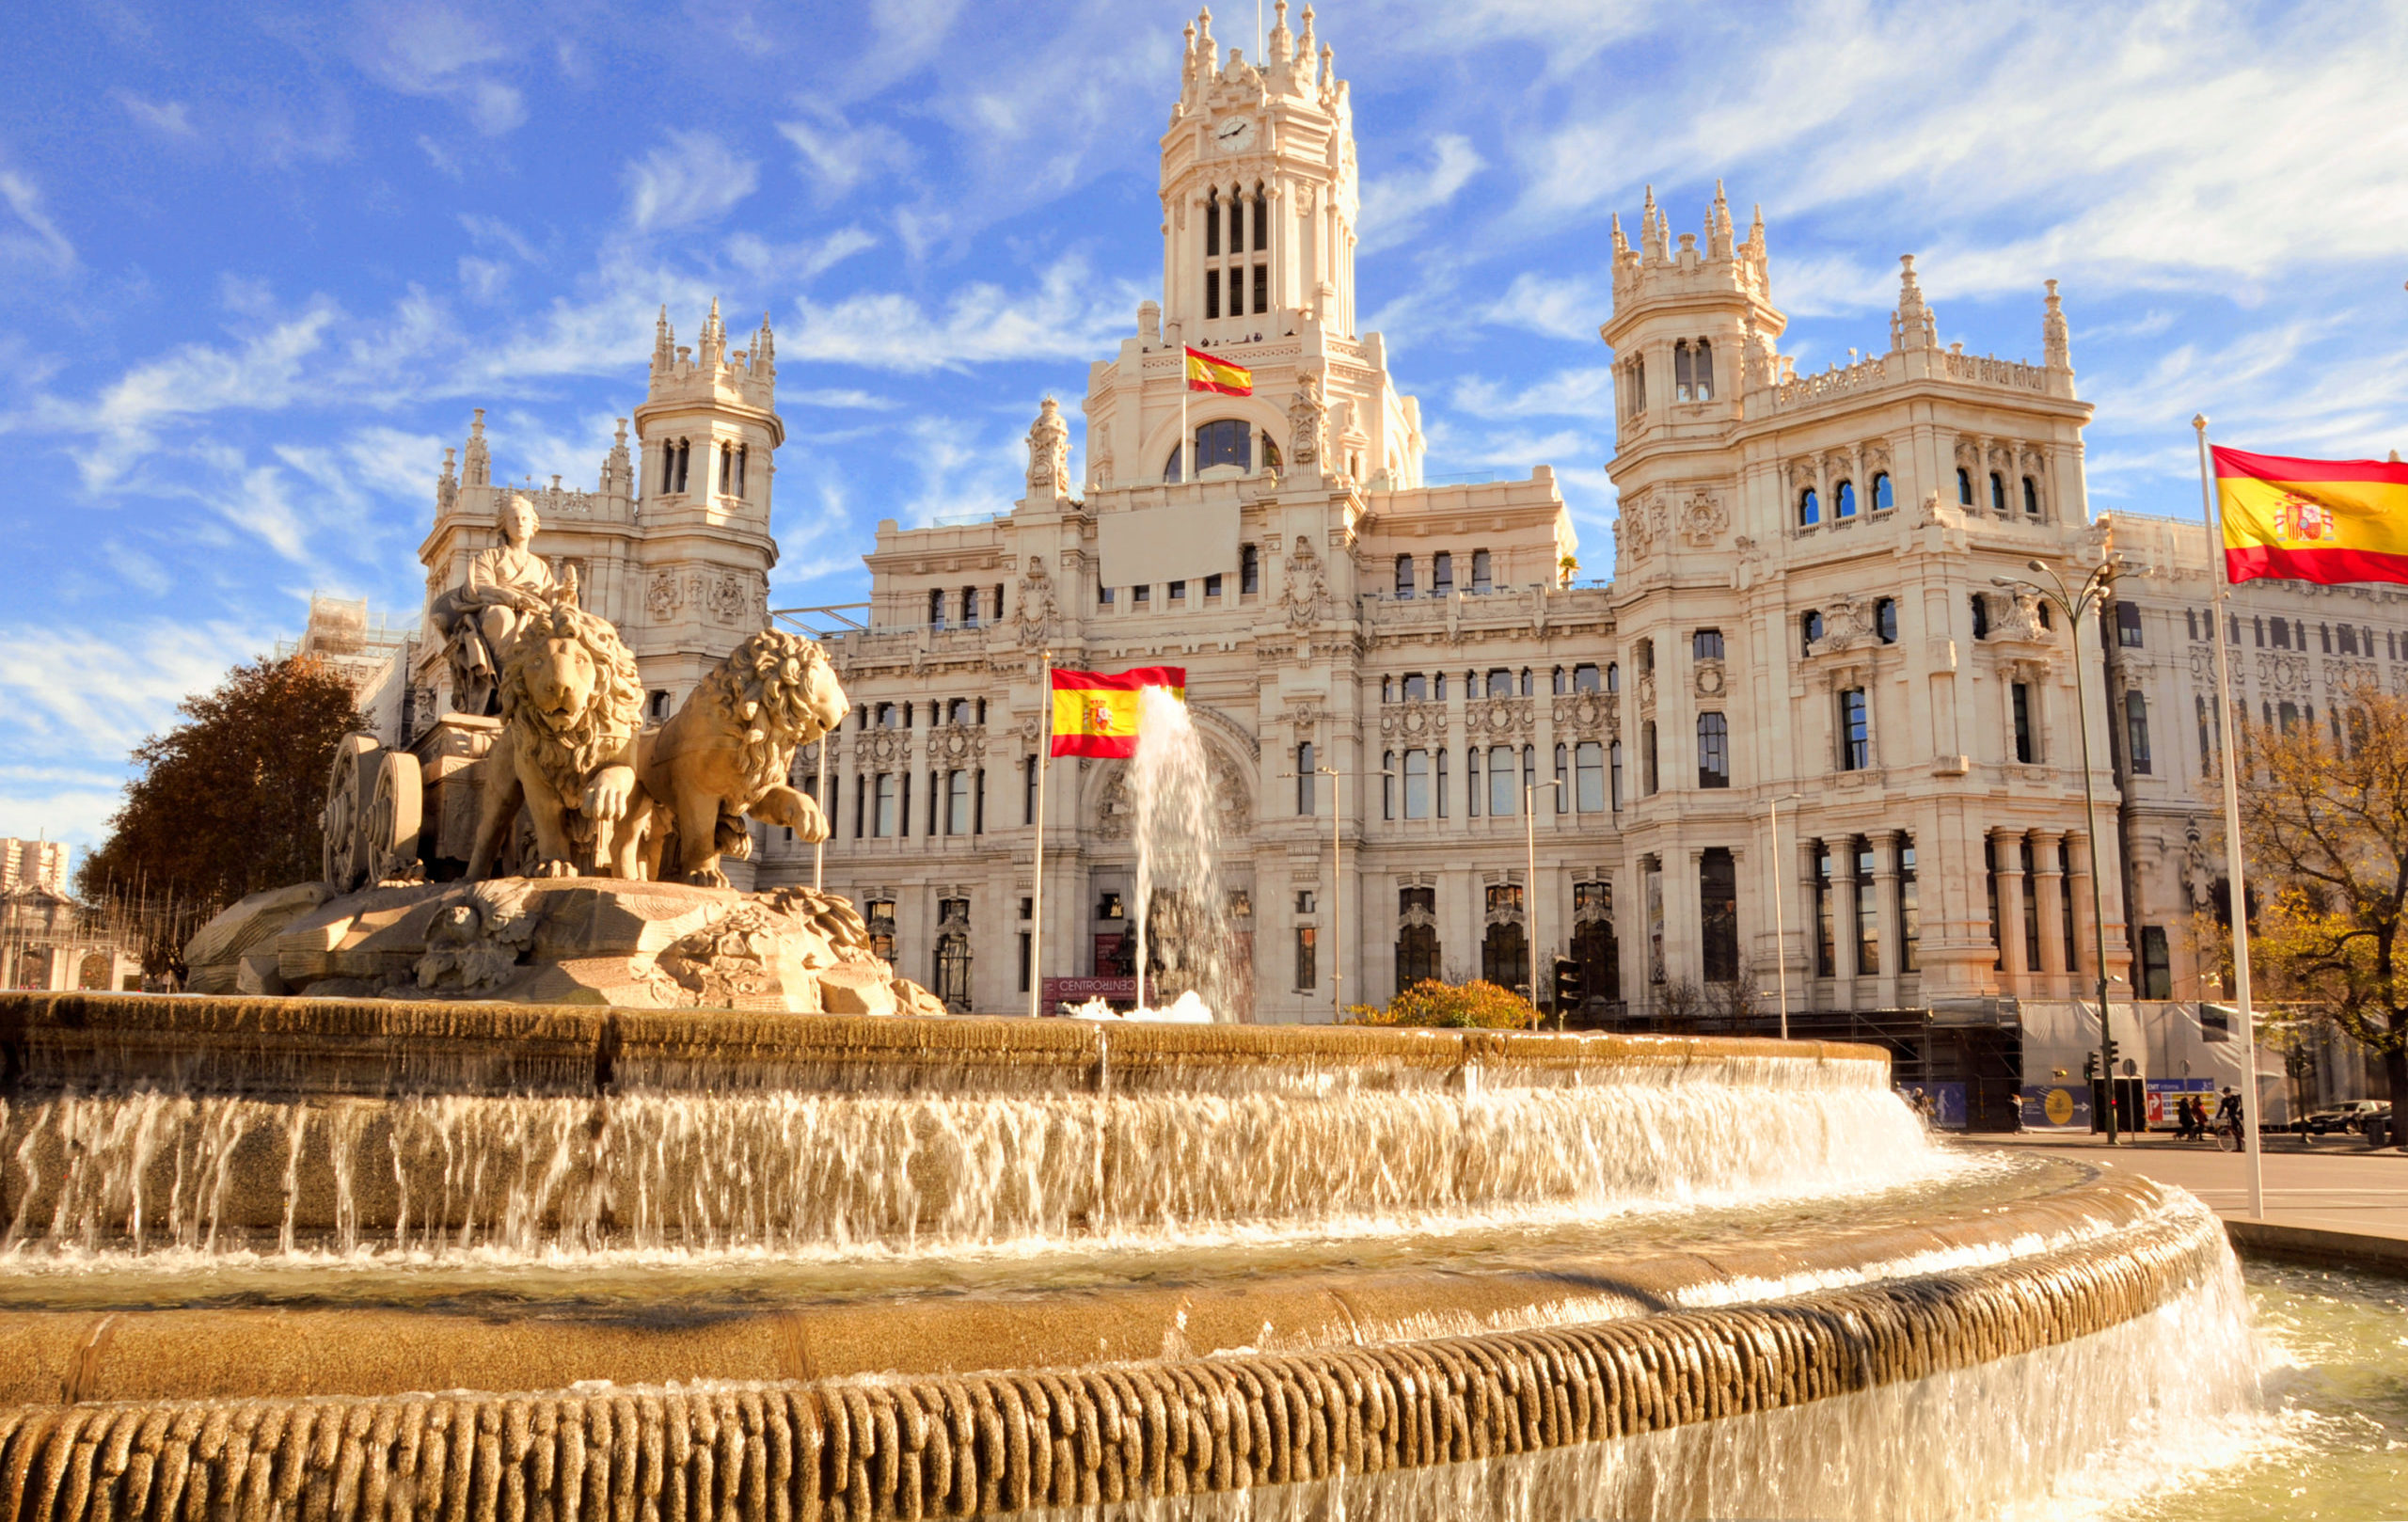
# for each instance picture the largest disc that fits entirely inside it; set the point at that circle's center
(2324, 827)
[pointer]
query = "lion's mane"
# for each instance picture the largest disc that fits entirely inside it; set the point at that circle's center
(567, 759)
(759, 697)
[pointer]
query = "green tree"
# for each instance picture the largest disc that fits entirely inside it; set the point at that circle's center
(224, 804)
(2324, 830)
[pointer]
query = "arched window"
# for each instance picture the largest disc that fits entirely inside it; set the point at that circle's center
(1212, 223)
(1681, 387)
(2031, 498)
(1883, 498)
(936, 608)
(1998, 492)
(1442, 574)
(668, 468)
(1416, 955)
(726, 467)
(1262, 222)
(741, 450)
(1844, 499)
(1964, 486)
(1613, 676)
(969, 607)
(1713, 750)
(1405, 577)
(1480, 579)
(1810, 509)
(685, 451)
(1224, 441)
(1702, 370)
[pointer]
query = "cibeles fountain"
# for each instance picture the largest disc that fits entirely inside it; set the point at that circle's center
(582, 1187)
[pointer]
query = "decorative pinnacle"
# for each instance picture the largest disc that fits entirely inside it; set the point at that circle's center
(2200, 422)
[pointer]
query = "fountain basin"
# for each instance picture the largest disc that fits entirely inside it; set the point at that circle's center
(337, 1257)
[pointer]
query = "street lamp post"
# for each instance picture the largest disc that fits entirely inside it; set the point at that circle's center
(1531, 871)
(2078, 605)
(1779, 932)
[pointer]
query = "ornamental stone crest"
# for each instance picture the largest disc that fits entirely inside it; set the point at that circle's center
(727, 599)
(661, 596)
(1703, 520)
(1049, 454)
(1305, 595)
(1414, 721)
(1036, 609)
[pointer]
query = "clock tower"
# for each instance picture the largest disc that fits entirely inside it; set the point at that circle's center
(1259, 190)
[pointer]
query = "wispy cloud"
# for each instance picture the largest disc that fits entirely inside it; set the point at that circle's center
(444, 51)
(693, 178)
(835, 155)
(168, 117)
(1070, 314)
(29, 237)
(1394, 205)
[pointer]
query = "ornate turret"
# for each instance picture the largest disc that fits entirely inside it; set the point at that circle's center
(664, 343)
(2056, 341)
(764, 354)
(476, 461)
(447, 485)
(1914, 326)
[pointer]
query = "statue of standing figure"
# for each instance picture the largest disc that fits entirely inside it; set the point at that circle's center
(479, 619)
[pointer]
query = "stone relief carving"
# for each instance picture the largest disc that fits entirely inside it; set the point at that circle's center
(727, 599)
(1709, 678)
(477, 943)
(1307, 419)
(1049, 453)
(661, 596)
(1306, 594)
(1415, 721)
(1703, 520)
(1036, 609)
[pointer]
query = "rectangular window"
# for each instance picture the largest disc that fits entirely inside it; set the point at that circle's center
(1504, 787)
(1713, 750)
(2136, 731)
(1442, 574)
(1826, 945)
(2026, 745)
(1438, 783)
(957, 804)
(885, 827)
(1706, 644)
(1141, 595)
(1474, 781)
(861, 813)
(1179, 592)
(1562, 779)
(1103, 596)
(1307, 968)
(1647, 758)
(1856, 734)
(1868, 914)
(1249, 570)
(1589, 777)
(1024, 962)
(1404, 576)
(1417, 687)
(1910, 910)
(1305, 803)
(1262, 281)
(2127, 625)
(1480, 572)
(1211, 293)
(936, 610)
(935, 786)
(1416, 785)
(1213, 586)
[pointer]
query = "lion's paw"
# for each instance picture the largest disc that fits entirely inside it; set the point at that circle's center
(558, 866)
(706, 877)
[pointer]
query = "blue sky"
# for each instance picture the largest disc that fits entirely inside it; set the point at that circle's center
(258, 261)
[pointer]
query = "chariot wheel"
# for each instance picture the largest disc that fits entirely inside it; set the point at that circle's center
(395, 810)
(343, 856)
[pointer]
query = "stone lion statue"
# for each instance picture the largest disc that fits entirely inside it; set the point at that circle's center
(571, 702)
(725, 755)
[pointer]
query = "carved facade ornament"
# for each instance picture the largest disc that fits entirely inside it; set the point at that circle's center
(2199, 867)
(1415, 721)
(1306, 594)
(1710, 680)
(1035, 607)
(727, 598)
(1049, 454)
(1647, 693)
(1307, 417)
(661, 596)
(1847, 623)
(1703, 520)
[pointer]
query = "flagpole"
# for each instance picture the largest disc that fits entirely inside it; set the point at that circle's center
(2238, 903)
(1186, 446)
(1037, 893)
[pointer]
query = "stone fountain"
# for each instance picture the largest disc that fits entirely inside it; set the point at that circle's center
(582, 1187)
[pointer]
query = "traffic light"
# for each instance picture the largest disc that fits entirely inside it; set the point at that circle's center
(1567, 983)
(2090, 1067)
(2110, 1044)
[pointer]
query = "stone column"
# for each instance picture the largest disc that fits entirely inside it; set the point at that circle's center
(1861, 980)
(2048, 883)
(2007, 848)
(1885, 894)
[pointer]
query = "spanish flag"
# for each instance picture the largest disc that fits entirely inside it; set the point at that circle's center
(2329, 521)
(1206, 373)
(1095, 713)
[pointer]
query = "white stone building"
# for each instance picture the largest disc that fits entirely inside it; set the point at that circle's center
(1802, 605)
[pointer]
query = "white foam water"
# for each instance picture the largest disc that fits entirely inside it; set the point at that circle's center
(816, 1174)
(1182, 918)
(2025, 1438)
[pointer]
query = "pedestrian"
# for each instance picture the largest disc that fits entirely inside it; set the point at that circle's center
(2182, 1119)
(2228, 1112)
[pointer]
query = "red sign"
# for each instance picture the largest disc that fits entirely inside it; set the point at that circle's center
(1062, 991)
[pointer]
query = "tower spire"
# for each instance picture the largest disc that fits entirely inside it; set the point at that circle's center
(1717, 228)
(1622, 245)
(1914, 326)
(2057, 340)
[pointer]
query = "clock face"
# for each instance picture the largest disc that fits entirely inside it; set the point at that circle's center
(1233, 136)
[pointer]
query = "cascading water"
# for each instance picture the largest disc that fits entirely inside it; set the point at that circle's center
(818, 1174)
(1182, 918)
